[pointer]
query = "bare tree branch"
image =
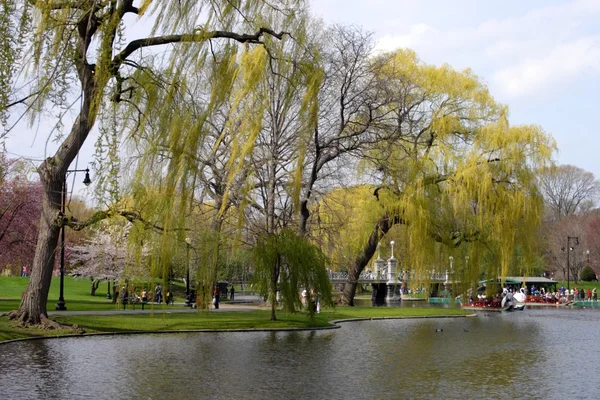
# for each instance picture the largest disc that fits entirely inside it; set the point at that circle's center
(193, 37)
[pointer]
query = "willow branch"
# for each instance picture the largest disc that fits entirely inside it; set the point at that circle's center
(130, 216)
(193, 37)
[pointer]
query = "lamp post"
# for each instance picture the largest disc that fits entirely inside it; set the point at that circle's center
(569, 250)
(60, 305)
(188, 242)
(451, 272)
(108, 296)
(587, 252)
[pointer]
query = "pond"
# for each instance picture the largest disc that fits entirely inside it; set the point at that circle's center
(531, 354)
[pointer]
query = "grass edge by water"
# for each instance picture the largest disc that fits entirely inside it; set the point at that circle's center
(210, 321)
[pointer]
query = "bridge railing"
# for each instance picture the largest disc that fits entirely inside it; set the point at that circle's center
(402, 275)
(364, 276)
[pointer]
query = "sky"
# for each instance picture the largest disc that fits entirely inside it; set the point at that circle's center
(539, 57)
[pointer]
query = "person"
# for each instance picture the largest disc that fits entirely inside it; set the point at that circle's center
(158, 294)
(588, 294)
(232, 295)
(216, 294)
(134, 298)
(595, 294)
(169, 297)
(124, 297)
(144, 296)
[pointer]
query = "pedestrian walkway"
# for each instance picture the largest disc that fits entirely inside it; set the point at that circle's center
(177, 308)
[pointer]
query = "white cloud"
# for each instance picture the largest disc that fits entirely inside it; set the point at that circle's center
(532, 50)
(416, 35)
(564, 62)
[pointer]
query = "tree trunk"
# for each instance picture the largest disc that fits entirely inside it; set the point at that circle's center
(52, 176)
(274, 279)
(360, 262)
(115, 292)
(93, 286)
(33, 300)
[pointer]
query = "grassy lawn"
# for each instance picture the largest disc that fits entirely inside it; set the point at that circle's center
(579, 285)
(77, 298)
(76, 293)
(256, 319)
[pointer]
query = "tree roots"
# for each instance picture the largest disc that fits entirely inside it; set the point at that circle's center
(41, 322)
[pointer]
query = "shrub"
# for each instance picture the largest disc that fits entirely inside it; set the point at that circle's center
(588, 274)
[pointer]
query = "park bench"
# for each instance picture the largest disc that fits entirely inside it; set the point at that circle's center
(138, 301)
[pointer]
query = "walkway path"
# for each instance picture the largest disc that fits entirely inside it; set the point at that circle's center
(177, 308)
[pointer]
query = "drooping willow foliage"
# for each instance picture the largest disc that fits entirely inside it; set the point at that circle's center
(78, 56)
(202, 149)
(454, 173)
(288, 262)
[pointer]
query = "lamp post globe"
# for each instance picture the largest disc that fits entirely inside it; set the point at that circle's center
(569, 250)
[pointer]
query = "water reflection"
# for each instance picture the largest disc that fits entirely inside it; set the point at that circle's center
(519, 355)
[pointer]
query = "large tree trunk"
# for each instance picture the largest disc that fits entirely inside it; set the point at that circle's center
(360, 262)
(33, 300)
(52, 176)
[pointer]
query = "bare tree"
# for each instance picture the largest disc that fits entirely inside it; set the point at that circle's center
(568, 190)
(349, 101)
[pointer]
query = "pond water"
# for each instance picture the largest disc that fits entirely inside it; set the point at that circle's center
(535, 354)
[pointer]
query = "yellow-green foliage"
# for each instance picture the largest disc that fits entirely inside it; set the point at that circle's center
(297, 263)
(14, 21)
(343, 221)
(456, 172)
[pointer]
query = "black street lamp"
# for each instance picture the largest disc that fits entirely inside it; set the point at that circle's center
(188, 241)
(108, 296)
(569, 250)
(60, 306)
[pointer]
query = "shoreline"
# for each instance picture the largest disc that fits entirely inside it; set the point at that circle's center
(334, 324)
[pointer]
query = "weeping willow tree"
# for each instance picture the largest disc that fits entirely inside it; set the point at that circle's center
(79, 49)
(454, 172)
(287, 262)
(208, 149)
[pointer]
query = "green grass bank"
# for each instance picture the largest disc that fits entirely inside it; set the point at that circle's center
(77, 297)
(205, 320)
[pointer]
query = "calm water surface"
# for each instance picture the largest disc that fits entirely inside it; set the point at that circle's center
(535, 354)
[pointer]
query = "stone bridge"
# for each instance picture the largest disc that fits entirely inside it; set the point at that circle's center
(385, 281)
(381, 276)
